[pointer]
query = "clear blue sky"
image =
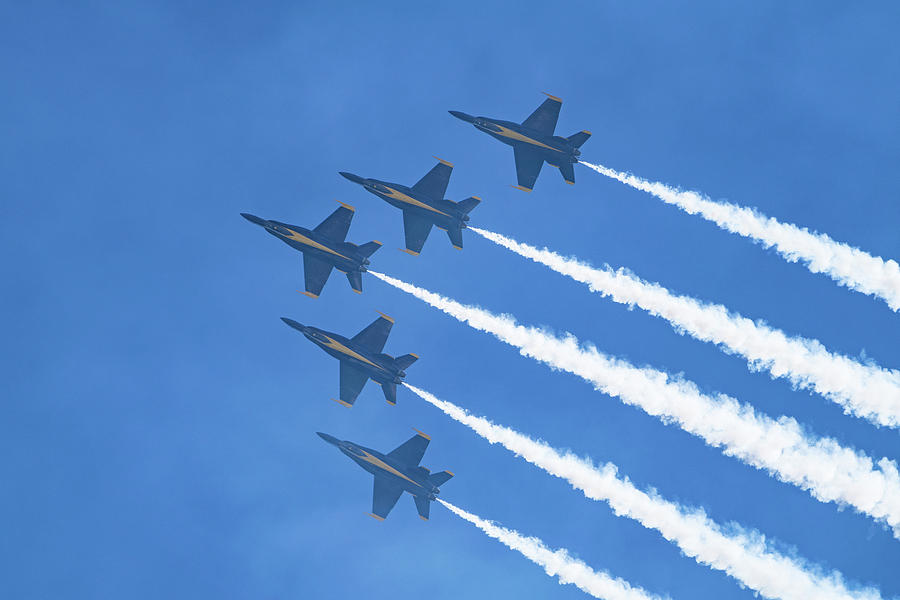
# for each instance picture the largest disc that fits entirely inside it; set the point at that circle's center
(157, 427)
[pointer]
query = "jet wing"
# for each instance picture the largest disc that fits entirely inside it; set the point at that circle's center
(412, 450)
(352, 382)
(416, 229)
(384, 497)
(315, 274)
(336, 226)
(434, 184)
(528, 167)
(544, 118)
(373, 337)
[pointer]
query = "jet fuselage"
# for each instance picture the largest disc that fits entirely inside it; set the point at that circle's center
(379, 367)
(345, 256)
(445, 214)
(414, 480)
(554, 149)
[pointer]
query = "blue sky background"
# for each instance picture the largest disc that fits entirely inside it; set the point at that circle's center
(157, 427)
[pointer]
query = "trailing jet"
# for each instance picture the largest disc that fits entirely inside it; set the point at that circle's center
(324, 248)
(361, 358)
(533, 142)
(396, 472)
(424, 205)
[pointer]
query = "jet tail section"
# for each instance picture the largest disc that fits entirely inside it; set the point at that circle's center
(390, 392)
(369, 249)
(579, 138)
(423, 505)
(441, 478)
(568, 172)
(468, 204)
(402, 362)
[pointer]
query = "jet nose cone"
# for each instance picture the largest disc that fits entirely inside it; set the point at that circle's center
(352, 177)
(294, 324)
(328, 438)
(462, 115)
(254, 219)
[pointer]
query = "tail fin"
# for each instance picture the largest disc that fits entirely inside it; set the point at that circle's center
(455, 235)
(402, 362)
(423, 505)
(579, 138)
(568, 172)
(441, 478)
(390, 392)
(468, 204)
(355, 279)
(369, 249)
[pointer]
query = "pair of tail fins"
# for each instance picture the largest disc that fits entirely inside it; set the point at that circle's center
(423, 504)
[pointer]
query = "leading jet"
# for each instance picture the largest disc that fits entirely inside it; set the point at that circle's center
(396, 472)
(361, 358)
(324, 248)
(533, 142)
(424, 205)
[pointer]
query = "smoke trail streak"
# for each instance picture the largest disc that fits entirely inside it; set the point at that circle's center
(849, 266)
(829, 471)
(867, 391)
(557, 563)
(741, 553)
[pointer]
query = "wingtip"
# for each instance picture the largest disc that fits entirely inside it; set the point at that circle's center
(423, 518)
(519, 187)
(442, 161)
(408, 251)
(345, 205)
(570, 182)
(424, 435)
(374, 516)
(391, 319)
(342, 403)
(552, 97)
(457, 247)
(310, 294)
(356, 290)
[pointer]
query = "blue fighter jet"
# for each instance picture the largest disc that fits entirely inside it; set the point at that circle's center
(361, 358)
(396, 472)
(324, 248)
(424, 205)
(533, 142)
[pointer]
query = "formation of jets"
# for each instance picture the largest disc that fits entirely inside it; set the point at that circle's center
(424, 206)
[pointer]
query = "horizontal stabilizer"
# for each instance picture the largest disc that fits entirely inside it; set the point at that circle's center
(355, 279)
(423, 505)
(369, 249)
(579, 138)
(468, 204)
(390, 392)
(402, 362)
(441, 478)
(568, 172)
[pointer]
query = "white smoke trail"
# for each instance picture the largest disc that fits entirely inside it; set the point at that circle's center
(845, 264)
(557, 563)
(741, 553)
(829, 471)
(867, 391)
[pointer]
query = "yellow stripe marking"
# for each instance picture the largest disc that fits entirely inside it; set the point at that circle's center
(375, 516)
(552, 97)
(507, 132)
(519, 187)
(310, 294)
(442, 161)
(408, 251)
(391, 319)
(424, 435)
(347, 206)
(336, 345)
(404, 198)
(347, 404)
(383, 465)
(299, 237)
